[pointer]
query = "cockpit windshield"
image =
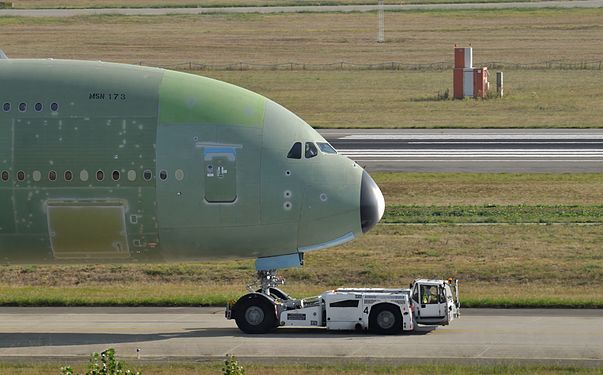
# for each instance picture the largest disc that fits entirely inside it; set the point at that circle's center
(311, 150)
(326, 148)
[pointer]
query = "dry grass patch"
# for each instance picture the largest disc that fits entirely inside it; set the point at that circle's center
(411, 37)
(385, 99)
(207, 368)
(549, 98)
(35, 4)
(497, 265)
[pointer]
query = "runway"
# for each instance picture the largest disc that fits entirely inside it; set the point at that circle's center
(463, 150)
(479, 336)
(298, 9)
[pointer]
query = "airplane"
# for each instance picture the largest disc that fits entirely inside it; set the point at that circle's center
(106, 162)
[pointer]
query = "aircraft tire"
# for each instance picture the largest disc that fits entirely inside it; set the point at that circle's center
(385, 319)
(255, 314)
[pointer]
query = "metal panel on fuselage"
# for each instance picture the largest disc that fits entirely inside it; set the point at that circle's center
(199, 115)
(88, 152)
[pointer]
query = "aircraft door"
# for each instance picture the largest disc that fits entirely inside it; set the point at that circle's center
(220, 163)
(432, 302)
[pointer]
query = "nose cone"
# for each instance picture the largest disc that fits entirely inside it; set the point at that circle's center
(372, 203)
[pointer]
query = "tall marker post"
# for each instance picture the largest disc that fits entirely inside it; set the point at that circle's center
(381, 33)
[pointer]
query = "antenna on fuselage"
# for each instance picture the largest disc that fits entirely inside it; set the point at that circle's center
(3, 55)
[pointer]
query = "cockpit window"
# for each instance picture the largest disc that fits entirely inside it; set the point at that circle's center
(295, 152)
(326, 148)
(311, 150)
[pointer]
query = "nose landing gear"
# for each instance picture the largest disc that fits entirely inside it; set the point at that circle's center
(258, 311)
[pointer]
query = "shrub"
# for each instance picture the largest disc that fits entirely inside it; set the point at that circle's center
(103, 364)
(232, 367)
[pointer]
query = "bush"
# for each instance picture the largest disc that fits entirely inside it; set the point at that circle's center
(102, 364)
(232, 367)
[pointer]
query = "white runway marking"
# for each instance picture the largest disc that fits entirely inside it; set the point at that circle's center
(488, 150)
(472, 136)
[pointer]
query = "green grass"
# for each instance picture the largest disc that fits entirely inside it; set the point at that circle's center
(347, 367)
(492, 214)
(502, 189)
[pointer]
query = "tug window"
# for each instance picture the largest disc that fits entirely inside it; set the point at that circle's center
(295, 152)
(346, 303)
(311, 150)
(326, 148)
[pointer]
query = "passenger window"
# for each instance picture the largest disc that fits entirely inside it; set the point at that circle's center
(131, 175)
(6, 107)
(20, 176)
(115, 175)
(38, 107)
(54, 107)
(147, 175)
(311, 150)
(52, 175)
(5, 176)
(295, 152)
(68, 175)
(163, 175)
(22, 107)
(100, 175)
(326, 148)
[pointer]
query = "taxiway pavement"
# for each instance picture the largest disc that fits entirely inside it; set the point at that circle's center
(479, 336)
(465, 150)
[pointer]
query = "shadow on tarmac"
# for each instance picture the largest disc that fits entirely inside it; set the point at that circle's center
(19, 340)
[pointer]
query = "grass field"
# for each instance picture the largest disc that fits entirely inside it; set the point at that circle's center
(401, 99)
(534, 98)
(411, 37)
(299, 369)
(498, 265)
(33, 4)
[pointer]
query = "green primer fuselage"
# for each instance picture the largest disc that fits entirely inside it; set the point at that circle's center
(112, 162)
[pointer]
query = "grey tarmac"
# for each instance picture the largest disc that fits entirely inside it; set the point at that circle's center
(298, 9)
(565, 337)
(472, 150)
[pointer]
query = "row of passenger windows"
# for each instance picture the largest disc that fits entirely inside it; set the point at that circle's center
(310, 150)
(147, 175)
(38, 107)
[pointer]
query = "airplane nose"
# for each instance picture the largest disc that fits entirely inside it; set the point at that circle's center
(372, 203)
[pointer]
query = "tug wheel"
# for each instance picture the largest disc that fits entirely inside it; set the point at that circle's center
(255, 314)
(385, 320)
